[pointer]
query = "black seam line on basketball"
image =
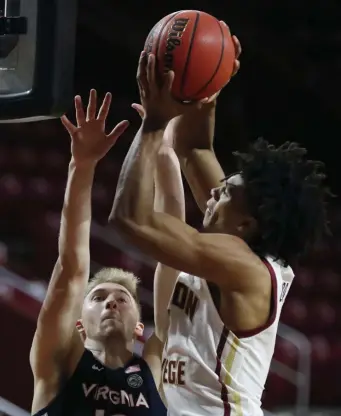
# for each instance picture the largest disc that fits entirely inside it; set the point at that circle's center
(184, 72)
(219, 62)
(160, 34)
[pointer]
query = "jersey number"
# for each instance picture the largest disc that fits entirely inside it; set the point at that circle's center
(285, 287)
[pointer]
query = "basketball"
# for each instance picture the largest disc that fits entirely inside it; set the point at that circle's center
(198, 48)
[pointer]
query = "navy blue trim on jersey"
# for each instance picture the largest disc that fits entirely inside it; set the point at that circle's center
(96, 390)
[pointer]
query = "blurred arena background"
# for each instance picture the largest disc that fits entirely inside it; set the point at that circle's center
(288, 88)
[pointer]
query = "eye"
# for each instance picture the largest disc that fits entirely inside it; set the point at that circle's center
(97, 298)
(226, 190)
(122, 300)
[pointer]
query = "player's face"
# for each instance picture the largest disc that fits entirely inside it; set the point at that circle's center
(109, 309)
(226, 210)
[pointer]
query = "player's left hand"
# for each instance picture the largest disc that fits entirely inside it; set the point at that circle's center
(89, 142)
(236, 66)
(157, 101)
(237, 48)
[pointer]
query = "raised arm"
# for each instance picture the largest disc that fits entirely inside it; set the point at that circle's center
(162, 236)
(56, 346)
(193, 134)
(193, 138)
(169, 198)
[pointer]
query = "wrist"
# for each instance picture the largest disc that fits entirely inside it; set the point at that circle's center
(153, 125)
(86, 165)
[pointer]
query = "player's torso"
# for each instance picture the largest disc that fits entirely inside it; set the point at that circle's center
(207, 369)
(95, 390)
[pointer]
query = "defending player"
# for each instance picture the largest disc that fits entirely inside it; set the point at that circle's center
(226, 304)
(102, 377)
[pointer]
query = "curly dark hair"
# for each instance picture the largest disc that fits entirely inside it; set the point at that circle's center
(286, 195)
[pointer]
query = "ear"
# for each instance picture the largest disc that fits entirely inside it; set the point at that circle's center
(81, 330)
(139, 329)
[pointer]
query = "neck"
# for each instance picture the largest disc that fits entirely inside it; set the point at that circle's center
(112, 353)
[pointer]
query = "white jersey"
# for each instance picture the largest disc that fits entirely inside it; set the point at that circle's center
(209, 370)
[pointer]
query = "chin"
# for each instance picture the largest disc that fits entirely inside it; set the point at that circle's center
(204, 226)
(209, 223)
(206, 223)
(211, 227)
(109, 333)
(111, 327)
(207, 228)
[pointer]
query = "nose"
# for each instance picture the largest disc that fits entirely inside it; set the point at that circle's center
(111, 304)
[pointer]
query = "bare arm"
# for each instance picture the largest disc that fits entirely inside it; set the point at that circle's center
(193, 135)
(152, 354)
(169, 198)
(57, 345)
(56, 325)
(221, 258)
(162, 236)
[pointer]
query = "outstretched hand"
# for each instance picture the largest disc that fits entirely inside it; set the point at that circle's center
(89, 142)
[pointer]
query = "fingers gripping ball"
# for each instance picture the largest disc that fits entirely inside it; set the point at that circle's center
(198, 48)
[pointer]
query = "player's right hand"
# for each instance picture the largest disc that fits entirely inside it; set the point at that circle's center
(157, 101)
(89, 142)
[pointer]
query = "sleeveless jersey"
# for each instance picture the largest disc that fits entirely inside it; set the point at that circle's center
(96, 390)
(208, 369)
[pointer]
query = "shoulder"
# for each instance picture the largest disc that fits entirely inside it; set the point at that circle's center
(229, 262)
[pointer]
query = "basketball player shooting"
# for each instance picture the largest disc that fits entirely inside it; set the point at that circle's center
(99, 374)
(227, 301)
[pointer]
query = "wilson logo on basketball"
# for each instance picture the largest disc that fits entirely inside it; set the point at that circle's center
(173, 40)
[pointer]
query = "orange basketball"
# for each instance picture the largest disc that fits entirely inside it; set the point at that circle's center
(198, 48)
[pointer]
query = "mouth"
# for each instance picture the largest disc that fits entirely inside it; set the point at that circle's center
(109, 316)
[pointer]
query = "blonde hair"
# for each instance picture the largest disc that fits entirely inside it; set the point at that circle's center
(121, 277)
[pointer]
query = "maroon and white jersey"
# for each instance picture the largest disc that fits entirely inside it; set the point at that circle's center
(208, 369)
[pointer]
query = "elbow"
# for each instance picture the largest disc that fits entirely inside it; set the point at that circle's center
(129, 224)
(132, 232)
(118, 215)
(122, 225)
(114, 219)
(117, 221)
